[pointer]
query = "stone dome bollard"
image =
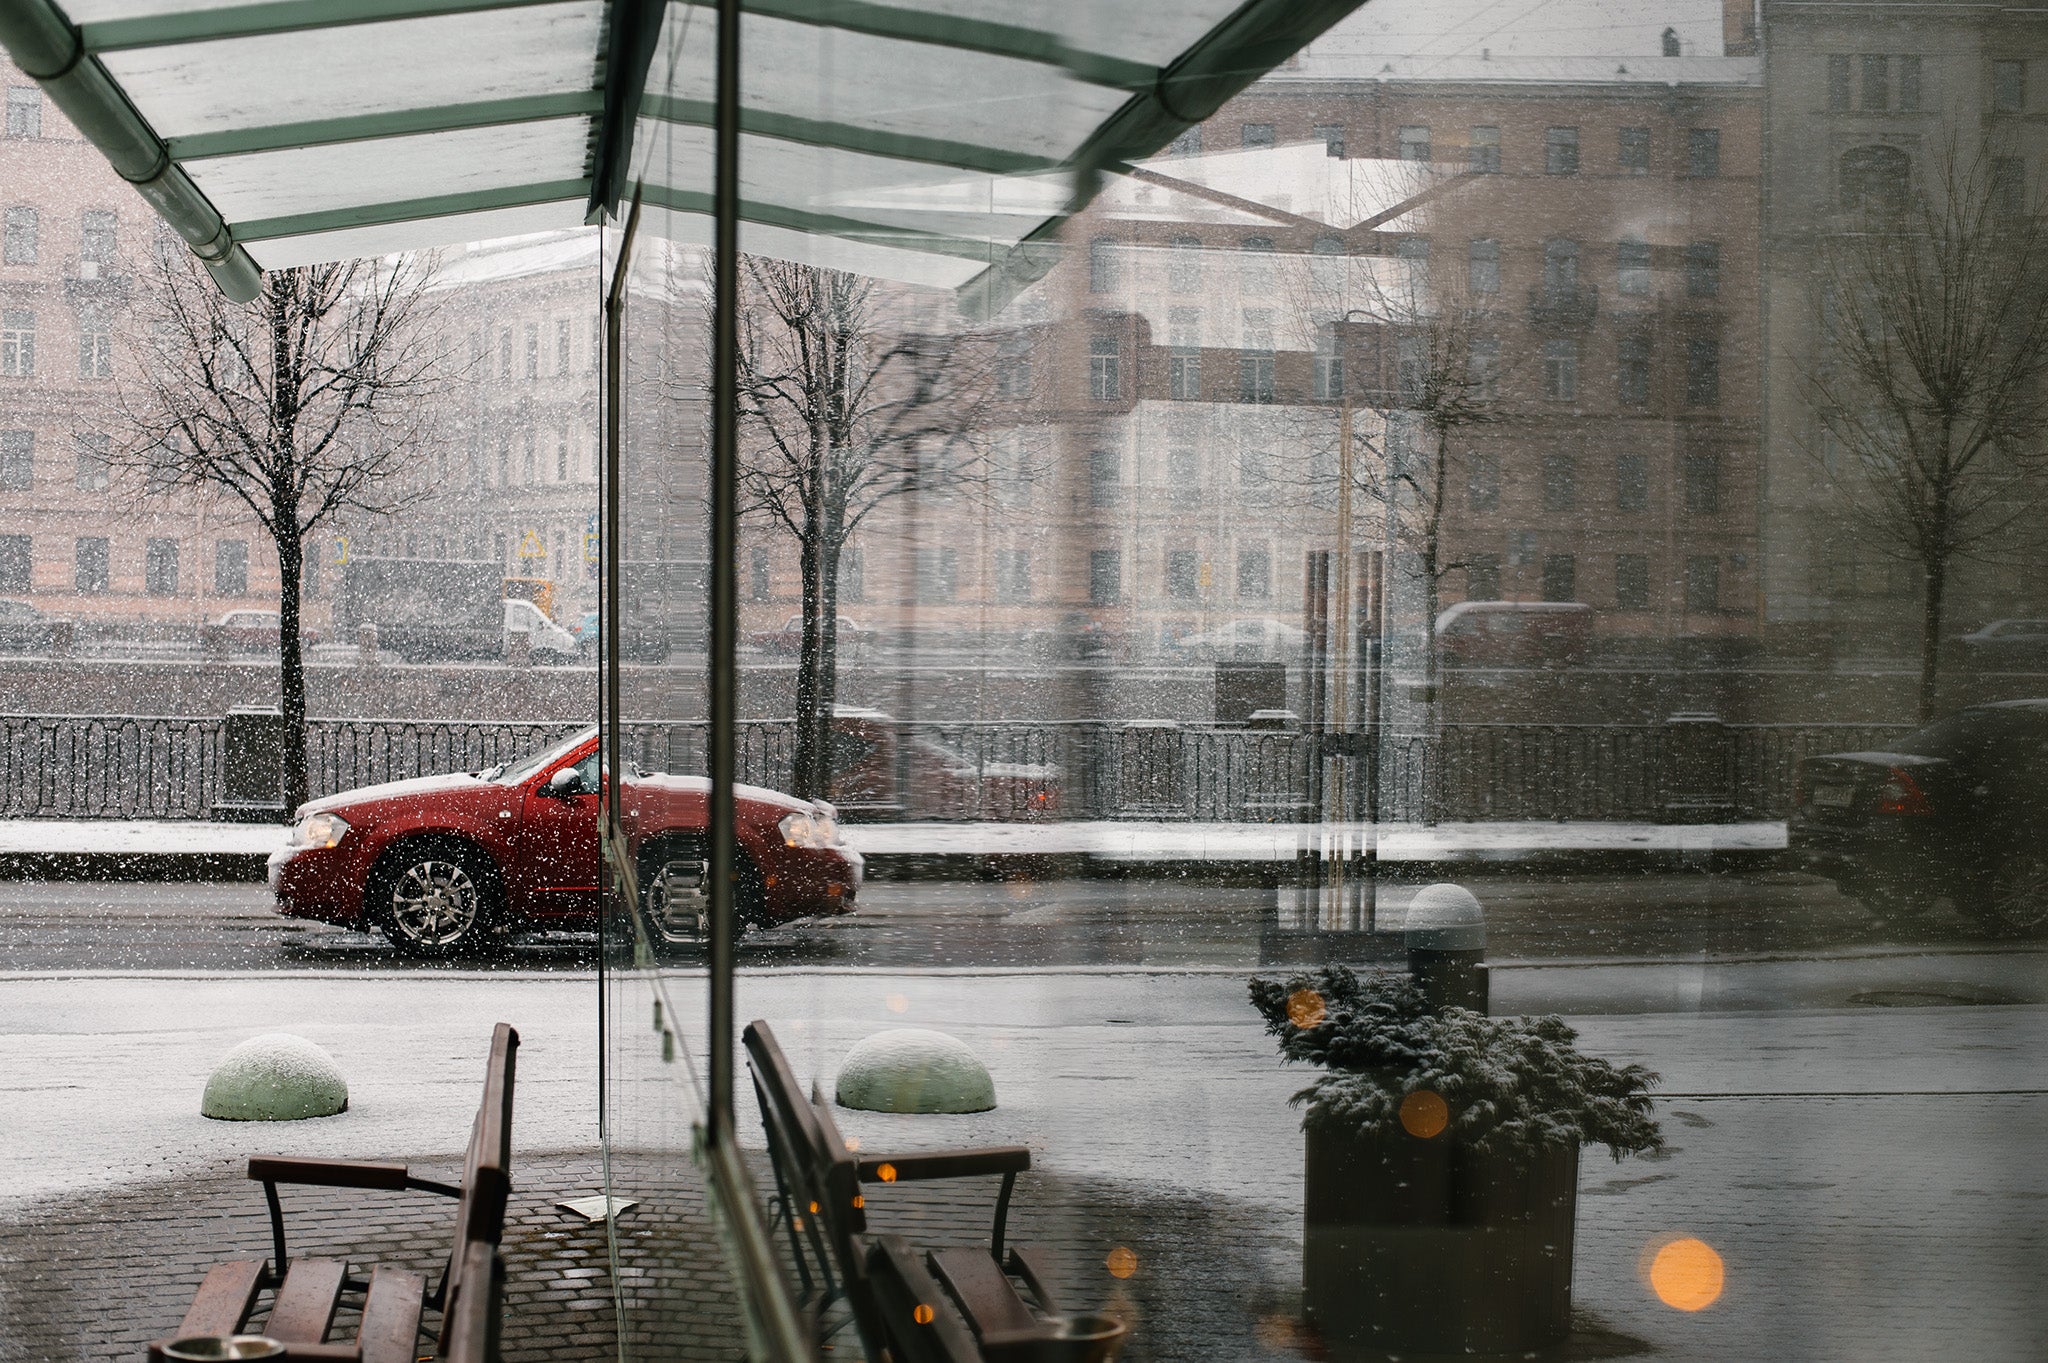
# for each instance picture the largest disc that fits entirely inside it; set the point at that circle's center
(914, 1070)
(1445, 932)
(276, 1077)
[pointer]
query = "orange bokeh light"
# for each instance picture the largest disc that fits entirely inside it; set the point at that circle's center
(887, 1173)
(1686, 1273)
(1122, 1262)
(923, 1314)
(898, 1003)
(1424, 1114)
(1305, 1008)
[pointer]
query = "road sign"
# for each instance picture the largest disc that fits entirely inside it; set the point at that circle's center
(532, 546)
(341, 551)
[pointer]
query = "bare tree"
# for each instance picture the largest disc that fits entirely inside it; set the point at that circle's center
(843, 409)
(1932, 377)
(304, 404)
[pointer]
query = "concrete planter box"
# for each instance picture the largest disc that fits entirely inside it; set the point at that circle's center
(1425, 1246)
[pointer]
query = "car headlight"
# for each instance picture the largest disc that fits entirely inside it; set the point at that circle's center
(319, 830)
(802, 828)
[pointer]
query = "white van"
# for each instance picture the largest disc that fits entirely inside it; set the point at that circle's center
(547, 636)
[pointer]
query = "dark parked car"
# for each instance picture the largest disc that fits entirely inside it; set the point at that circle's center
(1958, 809)
(23, 628)
(443, 865)
(2007, 644)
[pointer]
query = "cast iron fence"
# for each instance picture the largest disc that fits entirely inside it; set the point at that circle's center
(1687, 768)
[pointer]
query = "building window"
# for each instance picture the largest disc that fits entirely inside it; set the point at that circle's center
(1411, 369)
(1876, 83)
(1703, 269)
(504, 458)
(1631, 582)
(1632, 373)
(1183, 574)
(1103, 276)
(1702, 584)
(98, 239)
(24, 111)
(1482, 266)
(1183, 476)
(1184, 359)
(2008, 87)
(1414, 142)
(1485, 150)
(1560, 267)
(231, 567)
(1631, 484)
(1328, 376)
(1105, 382)
(759, 580)
(1257, 135)
(1482, 369)
(533, 350)
(1254, 575)
(1632, 268)
(1482, 577)
(853, 575)
(24, 228)
(1560, 482)
(89, 565)
(561, 454)
(1632, 152)
(562, 356)
(1255, 264)
(94, 459)
(2008, 187)
(1561, 151)
(1331, 135)
(529, 474)
(1838, 84)
(505, 353)
(160, 567)
(16, 563)
(1184, 265)
(1874, 178)
(1482, 482)
(1013, 367)
(1188, 143)
(1561, 370)
(17, 460)
(95, 343)
(1254, 475)
(1703, 152)
(17, 343)
(1909, 84)
(1702, 371)
(1255, 362)
(1702, 484)
(1013, 575)
(1105, 577)
(1560, 577)
(1105, 477)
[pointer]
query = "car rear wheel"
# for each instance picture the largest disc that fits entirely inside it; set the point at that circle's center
(437, 900)
(675, 893)
(2015, 898)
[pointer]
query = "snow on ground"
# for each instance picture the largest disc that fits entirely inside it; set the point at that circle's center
(1124, 840)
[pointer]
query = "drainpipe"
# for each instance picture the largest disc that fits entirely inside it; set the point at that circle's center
(47, 47)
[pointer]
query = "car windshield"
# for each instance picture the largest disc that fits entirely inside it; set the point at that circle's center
(534, 761)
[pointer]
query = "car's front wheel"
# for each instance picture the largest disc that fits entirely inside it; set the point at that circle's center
(2014, 898)
(675, 893)
(437, 900)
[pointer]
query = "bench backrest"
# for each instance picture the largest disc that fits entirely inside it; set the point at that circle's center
(486, 1184)
(470, 1322)
(910, 1316)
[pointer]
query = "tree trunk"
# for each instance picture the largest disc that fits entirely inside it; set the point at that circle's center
(291, 669)
(808, 669)
(828, 656)
(1930, 635)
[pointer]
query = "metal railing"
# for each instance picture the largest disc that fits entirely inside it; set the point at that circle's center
(1683, 769)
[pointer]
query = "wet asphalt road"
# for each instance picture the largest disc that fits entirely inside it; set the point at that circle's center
(1663, 916)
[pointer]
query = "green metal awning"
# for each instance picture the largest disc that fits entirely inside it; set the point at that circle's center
(937, 141)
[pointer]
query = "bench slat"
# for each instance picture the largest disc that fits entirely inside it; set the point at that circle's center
(391, 1316)
(986, 1298)
(224, 1300)
(305, 1304)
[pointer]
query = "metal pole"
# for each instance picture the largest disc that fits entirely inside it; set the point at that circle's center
(611, 546)
(1340, 663)
(724, 679)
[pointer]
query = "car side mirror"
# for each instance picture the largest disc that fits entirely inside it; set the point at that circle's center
(564, 783)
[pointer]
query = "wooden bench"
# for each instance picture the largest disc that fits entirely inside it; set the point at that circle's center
(822, 1206)
(308, 1292)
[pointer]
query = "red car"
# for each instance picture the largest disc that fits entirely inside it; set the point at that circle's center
(446, 864)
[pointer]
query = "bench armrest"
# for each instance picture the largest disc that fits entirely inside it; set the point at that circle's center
(913, 1165)
(327, 1173)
